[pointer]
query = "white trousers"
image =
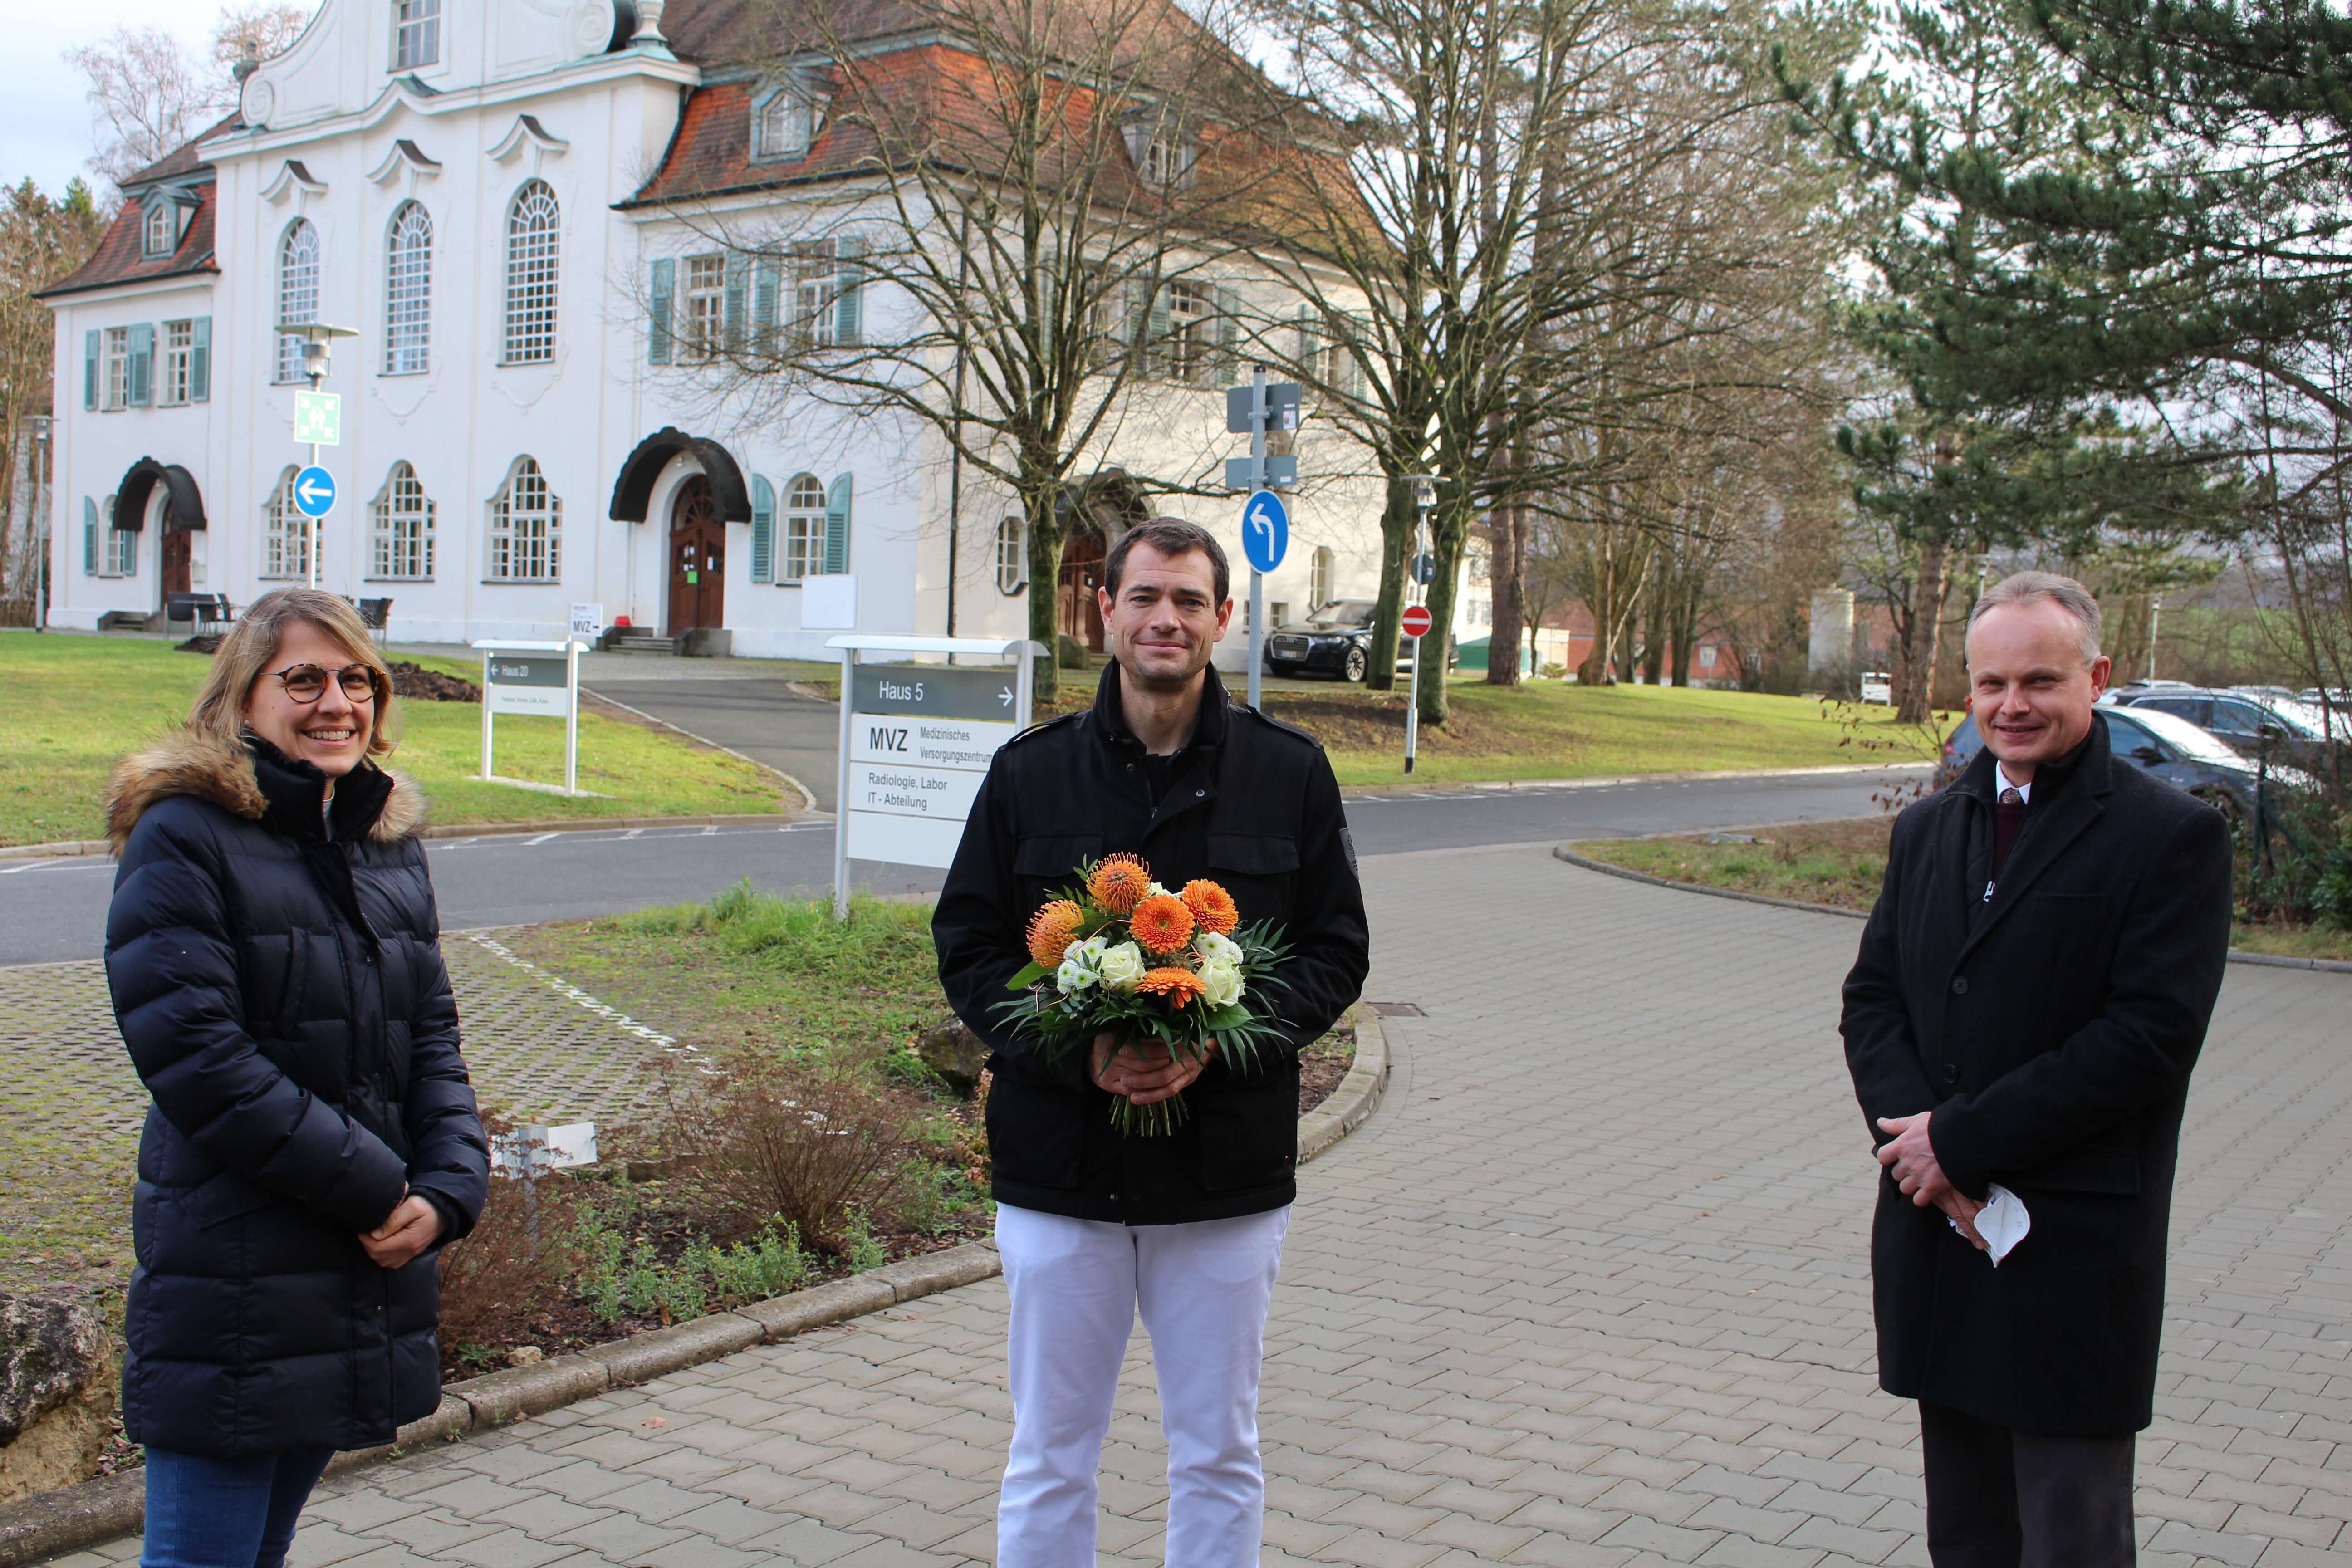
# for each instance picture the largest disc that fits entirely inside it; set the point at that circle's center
(1076, 1285)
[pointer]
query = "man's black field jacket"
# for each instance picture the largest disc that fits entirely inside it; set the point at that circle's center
(1252, 803)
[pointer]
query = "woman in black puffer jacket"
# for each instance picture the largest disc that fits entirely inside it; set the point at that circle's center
(274, 955)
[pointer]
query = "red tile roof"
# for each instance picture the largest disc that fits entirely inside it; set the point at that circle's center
(121, 257)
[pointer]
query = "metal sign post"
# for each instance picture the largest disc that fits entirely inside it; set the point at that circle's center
(916, 742)
(1265, 524)
(318, 422)
(1416, 613)
(528, 678)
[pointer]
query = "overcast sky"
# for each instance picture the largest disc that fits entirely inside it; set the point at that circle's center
(43, 117)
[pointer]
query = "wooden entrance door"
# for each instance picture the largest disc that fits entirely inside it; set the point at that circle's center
(1079, 611)
(177, 547)
(698, 558)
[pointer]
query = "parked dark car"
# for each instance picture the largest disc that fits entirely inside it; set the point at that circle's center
(1336, 640)
(2237, 719)
(2162, 743)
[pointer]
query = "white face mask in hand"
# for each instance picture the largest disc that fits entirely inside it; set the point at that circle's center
(2002, 1222)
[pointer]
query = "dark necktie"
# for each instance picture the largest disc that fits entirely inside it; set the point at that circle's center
(2008, 817)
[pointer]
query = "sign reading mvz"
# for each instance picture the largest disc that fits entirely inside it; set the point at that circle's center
(920, 740)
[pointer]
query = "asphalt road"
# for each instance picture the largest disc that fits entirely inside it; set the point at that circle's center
(56, 910)
(760, 717)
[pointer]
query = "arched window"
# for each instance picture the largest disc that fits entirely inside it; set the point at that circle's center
(402, 525)
(526, 528)
(408, 291)
(284, 532)
(1011, 556)
(1318, 578)
(531, 240)
(162, 229)
(803, 529)
(298, 292)
(789, 123)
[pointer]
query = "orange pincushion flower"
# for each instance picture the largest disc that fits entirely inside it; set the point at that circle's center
(1053, 929)
(1211, 907)
(1162, 922)
(1118, 882)
(1178, 986)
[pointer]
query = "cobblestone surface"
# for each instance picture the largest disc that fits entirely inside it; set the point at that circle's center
(70, 1107)
(1590, 1289)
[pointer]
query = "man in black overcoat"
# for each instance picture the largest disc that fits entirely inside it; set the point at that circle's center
(2034, 987)
(1095, 1225)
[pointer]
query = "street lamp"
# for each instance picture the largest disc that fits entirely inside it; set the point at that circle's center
(317, 358)
(40, 424)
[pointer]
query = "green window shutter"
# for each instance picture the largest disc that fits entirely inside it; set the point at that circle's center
(1137, 322)
(89, 372)
(849, 285)
(836, 526)
(1155, 333)
(142, 366)
(1351, 372)
(200, 359)
(738, 279)
(1229, 336)
(764, 530)
(659, 344)
(767, 281)
(1306, 351)
(88, 537)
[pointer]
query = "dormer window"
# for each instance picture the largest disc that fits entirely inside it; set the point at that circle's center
(415, 34)
(163, 235)
(785, 124)
(1163, 155)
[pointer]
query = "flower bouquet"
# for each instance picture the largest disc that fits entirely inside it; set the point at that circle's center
(1119, 954)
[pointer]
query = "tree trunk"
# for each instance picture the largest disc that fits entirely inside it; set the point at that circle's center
(1685, 632)
(1449, 523)
(1655, 637)
(1927, 631)
(1396, 546)
(1045, 538)
(1507, 555)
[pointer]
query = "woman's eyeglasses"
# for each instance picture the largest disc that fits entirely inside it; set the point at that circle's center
(307, 682)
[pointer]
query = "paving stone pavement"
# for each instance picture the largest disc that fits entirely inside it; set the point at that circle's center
(1591, 1288)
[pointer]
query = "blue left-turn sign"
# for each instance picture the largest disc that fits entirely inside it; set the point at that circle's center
(314, 491)
(1265, 529)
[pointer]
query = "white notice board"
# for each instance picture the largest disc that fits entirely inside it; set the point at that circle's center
(916, 742)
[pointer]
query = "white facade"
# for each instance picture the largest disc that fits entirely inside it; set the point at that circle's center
(418, 186)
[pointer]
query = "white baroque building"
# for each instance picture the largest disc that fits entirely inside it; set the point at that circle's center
(493, 196)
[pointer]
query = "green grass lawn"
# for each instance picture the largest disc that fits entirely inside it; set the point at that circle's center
(1552, 729)
(71, 706)
(1842, 863)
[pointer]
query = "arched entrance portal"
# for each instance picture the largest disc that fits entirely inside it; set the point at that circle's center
(176, 554)
(698, 558)
(1095, 512)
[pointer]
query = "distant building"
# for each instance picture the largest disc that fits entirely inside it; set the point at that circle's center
(501, 196)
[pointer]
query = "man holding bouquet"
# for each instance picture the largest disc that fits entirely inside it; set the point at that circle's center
(1131, 1175)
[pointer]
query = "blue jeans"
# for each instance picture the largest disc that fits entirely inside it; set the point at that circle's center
(203, 1512)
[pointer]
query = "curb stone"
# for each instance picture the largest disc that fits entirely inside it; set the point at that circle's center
(1584, 862)
(65, 848)
(49, 1524)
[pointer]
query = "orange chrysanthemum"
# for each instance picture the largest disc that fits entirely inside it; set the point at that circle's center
(1161, 923)
(1118, 882)
(1212, 906)
(1178, 986)
(1053, 929)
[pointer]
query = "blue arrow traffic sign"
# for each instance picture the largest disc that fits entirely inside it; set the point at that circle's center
(314, 491)
(1265, 529)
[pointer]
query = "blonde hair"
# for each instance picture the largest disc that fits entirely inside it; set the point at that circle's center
(219, 708)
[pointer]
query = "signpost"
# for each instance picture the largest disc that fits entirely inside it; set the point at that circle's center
(916, 740)
(318, 422)
(588, 622)
(1266, 523)
(536, 677)
(1416, 621)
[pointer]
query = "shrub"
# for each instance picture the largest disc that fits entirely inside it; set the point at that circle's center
(495, 1274)
(785, 1143)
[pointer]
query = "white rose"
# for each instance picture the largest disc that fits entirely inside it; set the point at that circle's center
(1216, 949)
(1220, 984)
(1121, 966)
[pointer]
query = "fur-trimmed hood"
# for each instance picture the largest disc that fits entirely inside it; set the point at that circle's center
(223, 772)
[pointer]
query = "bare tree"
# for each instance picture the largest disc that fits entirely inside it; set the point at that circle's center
(1037, 208)
(149, 93)
(40, 242)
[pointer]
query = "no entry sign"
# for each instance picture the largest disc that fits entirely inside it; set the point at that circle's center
(1416, 620)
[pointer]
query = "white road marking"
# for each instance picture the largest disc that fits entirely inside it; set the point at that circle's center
(541, 838)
